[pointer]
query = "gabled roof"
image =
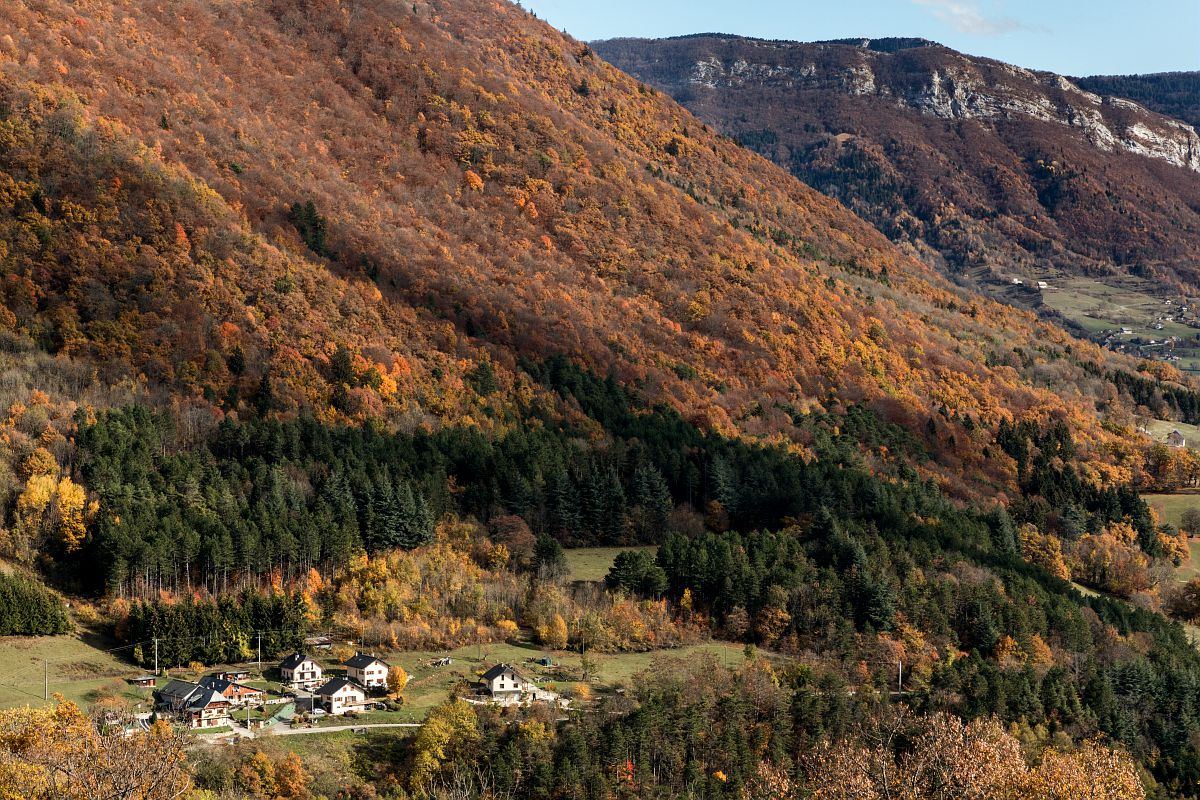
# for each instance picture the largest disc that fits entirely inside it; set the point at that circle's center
(293, 661)
(335, 685)
(500, 669)
(206, 698)
(215, 682)
(362, 661)
(219, 684)
(178, 691)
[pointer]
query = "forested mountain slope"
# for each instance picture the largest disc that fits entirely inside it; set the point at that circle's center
(472, 174)
(349, 316)
(988, 169)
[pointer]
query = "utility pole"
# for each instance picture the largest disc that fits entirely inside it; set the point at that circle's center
(900, 677)
(156, 655)
(260, 672)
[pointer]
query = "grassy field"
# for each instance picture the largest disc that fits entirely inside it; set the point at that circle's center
(79, 670)
(429, 686)
(1096, 306)
(1170, 508)
(1159, 428)
(592, 563)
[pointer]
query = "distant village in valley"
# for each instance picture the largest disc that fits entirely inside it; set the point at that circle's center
(1125, 317)
(304, 689)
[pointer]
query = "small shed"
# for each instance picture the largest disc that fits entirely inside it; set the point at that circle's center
(145, 681)
(1176, 439)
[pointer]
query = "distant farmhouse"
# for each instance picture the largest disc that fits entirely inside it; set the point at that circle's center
(301, 672)
(1176, 439)
(505, 684)
(367, 670)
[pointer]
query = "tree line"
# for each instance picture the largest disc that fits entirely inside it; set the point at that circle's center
(27, 608)
(230, 629)
(263, 496)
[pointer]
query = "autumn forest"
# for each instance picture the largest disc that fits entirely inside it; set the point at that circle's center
(359, 321)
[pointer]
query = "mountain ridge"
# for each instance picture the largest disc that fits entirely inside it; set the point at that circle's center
(953, 154)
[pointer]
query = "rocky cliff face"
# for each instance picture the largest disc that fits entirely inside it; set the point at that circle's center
(985, 166)
(927, 78)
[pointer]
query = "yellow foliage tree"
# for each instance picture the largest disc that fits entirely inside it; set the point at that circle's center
(397, 679)
(60, 753)
(69, 500)
(256, 776)
(39, 462)
(554, 633)
(449, 729)
(1043, 550)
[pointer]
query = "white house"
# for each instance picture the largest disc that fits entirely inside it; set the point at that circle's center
(509, 687)
(301, 672)
(1176, 439)
(368, 670)
(341, 695)
(505, 684)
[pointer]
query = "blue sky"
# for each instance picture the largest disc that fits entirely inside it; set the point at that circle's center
(1072, 37)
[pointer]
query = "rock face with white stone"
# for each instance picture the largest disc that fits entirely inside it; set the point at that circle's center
(957, 88)
(989, 170)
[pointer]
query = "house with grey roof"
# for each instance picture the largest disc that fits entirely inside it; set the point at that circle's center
(301, 672)
(340, 695)
(236, 693)
(195, 705)
(367, 670)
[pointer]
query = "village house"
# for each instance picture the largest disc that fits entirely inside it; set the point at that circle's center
(207, 710)
(341, 695)
(238, 694)
(1175, 439)
(175, 696)
(367, 670)
(506, 685)
(199, 707)
(301, 672)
